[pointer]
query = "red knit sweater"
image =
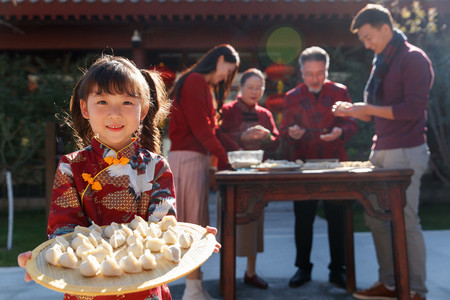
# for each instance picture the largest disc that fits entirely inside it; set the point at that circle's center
(192, 121)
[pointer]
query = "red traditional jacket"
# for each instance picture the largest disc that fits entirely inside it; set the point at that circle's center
(301, 107)
(98, 184)
(238, 117)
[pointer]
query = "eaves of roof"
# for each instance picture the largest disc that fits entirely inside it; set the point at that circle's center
(179, 10)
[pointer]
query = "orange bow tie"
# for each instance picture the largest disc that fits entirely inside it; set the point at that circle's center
(95, 184)
(111, 160)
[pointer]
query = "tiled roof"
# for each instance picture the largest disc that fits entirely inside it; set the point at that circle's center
(176, 10)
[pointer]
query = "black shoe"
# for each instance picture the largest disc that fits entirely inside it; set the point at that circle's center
(300, 278)
(338, 278)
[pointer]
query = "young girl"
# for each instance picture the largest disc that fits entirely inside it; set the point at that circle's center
(115, 110)
(248, 126)
(198, 95)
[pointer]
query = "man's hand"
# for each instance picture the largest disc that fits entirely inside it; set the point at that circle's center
(358, 110)
(296, 132)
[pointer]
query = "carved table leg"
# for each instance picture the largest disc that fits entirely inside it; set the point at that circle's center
(350, 252)
(229, 244)
(399, 245)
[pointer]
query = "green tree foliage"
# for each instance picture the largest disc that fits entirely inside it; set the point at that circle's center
(31, 92)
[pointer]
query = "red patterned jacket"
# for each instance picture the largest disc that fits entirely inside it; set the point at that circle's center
(97, 184)
(302, 108)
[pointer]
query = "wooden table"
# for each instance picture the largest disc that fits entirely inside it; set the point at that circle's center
(237, 187)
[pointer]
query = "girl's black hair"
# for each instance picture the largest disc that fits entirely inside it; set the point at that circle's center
(118, 75)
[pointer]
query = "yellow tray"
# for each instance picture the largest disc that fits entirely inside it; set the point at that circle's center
(71, 281)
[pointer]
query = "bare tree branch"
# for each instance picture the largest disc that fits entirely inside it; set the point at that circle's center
(12, 27)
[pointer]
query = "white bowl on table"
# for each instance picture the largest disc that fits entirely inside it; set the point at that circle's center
(245, 158)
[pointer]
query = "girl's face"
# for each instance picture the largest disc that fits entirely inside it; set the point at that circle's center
(252, 90)
(223, 70)
(113, 118)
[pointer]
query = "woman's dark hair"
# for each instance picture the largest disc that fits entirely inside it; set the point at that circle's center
(373, 14)
(118, 75)
(207, 64)
(252, 72)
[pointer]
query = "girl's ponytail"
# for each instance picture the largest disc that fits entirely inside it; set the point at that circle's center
(159, 106)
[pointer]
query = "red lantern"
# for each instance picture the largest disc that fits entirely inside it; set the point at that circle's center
(276, 71)
(167, 74)
(275, 102)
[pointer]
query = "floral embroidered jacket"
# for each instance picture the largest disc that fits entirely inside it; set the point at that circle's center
(97, 184)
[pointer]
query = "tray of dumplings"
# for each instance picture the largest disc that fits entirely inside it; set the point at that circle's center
(120, 258)
(271, 165)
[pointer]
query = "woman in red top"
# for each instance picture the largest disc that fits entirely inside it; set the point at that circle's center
(248, 126)
(198, 95)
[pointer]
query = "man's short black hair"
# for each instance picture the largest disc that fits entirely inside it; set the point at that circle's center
(373, 14)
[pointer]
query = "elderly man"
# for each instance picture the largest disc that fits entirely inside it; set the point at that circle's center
(314, 133)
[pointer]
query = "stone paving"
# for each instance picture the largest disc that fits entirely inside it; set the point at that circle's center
(276, 265)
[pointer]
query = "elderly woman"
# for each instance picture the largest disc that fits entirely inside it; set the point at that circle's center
(245, 125)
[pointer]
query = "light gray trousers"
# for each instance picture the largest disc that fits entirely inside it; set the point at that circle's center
(415, 158)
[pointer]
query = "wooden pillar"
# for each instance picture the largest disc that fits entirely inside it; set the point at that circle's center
(139, 57)
(138, 52)
(50, 163)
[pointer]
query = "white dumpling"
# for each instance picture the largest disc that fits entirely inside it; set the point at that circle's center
(117, 239)
(109, 230)
(172, 253)
(100, 253)
(84, 249)
(131, 239)
(53, 254)
(185, 240)
(137, 219)
(90, 267)
(170, 236)
(154, 244)
(154, 230)
(69, 259)
(96, 228)
(82, 230)
(108, 247)
(167, 221)
(60, 240)
(95, 238)
(142, 228)
(78, 240)
(148, 260)
(136, 248)
(127, 230)
(109, 267)
(130, 264)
